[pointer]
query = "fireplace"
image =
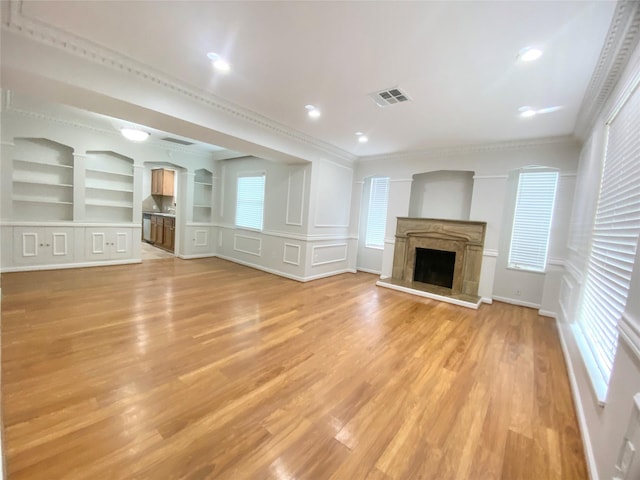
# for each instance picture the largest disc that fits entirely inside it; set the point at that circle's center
(442, 257)
(434, 267)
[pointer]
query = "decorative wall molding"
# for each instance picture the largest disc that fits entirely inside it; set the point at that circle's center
(288, 251)
(621, 40)
(341, 258)
(77, 46)
(489, 253)
(446, 152)
(556, 262)
(289, 221)
(237, 237)
(629, 329)
(490, 177)
(61, 266)
(200, 238)
(292, 236)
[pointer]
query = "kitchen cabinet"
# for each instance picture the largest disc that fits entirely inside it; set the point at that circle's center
(168, 234)
(157, 229)
(42, 245)
(109, 243)
(162, 182)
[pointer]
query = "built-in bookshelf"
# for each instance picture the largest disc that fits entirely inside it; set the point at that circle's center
(108, 187)
(202, 196)
(42, 180)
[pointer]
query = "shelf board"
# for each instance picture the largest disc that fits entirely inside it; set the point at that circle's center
(106, 172)
(46, 164)
(204, 184)
(41, 202)
(107, 189)
(202, 206)
(44, 183)
(108, 204)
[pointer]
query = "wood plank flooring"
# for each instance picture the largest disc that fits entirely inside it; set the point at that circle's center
(202, 369)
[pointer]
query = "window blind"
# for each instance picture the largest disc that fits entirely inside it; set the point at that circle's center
(532, 220)
(250, 201)
(614, 238)
(377, 213)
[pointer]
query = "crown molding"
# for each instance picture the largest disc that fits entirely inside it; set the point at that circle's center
(43, 33)
(152, 142)
(621, 40)
(445, 152)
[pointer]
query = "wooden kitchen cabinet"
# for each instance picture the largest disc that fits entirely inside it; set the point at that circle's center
(168, 235)
(157, 228)
(162, 182)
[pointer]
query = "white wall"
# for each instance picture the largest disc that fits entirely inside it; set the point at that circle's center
(489, 197)
(444, 194)
(603, 427)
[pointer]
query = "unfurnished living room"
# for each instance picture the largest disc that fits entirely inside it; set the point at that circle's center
(320, 240)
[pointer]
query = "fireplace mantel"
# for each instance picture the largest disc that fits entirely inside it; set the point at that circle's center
(465, 238)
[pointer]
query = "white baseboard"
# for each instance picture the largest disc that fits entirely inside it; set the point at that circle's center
(592, 468)
(520, 303)
(547, 313)
(290, 276)
(32, 268)
(369, 270)
(196, 255)
(486, 300)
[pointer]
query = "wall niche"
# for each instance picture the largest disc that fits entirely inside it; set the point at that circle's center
(442, 194)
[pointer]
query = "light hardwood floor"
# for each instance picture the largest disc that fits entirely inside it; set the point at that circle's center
(206, 369)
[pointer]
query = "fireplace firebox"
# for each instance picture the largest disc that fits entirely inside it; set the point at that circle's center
(434, 267)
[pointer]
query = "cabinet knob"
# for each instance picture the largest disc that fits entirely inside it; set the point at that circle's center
(42, 244)
(48, 245)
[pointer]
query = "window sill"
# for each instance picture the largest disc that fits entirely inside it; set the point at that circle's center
(250, 229)
(374, 247)
(527, 270)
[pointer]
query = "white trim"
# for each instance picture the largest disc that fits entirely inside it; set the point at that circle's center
(65, 243)
(330, 226)
(69, 224)
(235, 244)
(432, 296)
(490, 177)
(488, 301)
(293, 236)
(573, 272)
(489, 253)
(547, 313)
(284, 274)
(390, 241)
(629, 329)
(405, 180)
(195, 238)
(304, 182)
(70, 265)
(196, 255)
(556, 262)
(314, 247)
(592, 467)
(368, 270)
(520, 303)
(35, 244)
(284, 254)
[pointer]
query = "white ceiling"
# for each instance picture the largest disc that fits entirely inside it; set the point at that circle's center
(457, 61)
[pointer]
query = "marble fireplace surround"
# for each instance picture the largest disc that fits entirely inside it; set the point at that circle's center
(465, 238)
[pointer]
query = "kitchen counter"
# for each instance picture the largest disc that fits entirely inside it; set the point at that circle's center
(160, 214)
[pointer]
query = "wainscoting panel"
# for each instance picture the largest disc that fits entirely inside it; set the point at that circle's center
(246, 244)
(291, 254)
(324, 254)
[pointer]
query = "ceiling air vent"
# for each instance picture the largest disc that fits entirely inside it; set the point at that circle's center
(177, 140)
(389, 96)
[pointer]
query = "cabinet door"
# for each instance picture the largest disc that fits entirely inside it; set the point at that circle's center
(156, 182)
(200, 240)
(121, 246)
(61, 244)
(96, 244)
(167, 182)
(168, 233)
(28, 246)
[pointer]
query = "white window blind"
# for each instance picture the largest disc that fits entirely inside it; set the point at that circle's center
(532, 219)
(250, 201)
(614, 241)
(377, 213)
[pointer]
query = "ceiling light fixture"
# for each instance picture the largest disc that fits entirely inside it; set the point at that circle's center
(362, 138)
(312, 111)
(529, 54)
(219, 63)
(134, 134)
(527, 112)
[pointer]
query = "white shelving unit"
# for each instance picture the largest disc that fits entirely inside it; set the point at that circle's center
(108, 191)
(202, 196)
(42, 180)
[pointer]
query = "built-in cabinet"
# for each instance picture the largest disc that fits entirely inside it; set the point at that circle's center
(202, 196)
(43, 245)
(108, 187)
(108, 243)
(162, 181)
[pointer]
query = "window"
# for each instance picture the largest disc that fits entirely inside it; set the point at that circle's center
(613, 246)
(377, 213)
(250, 201)
(532, 219)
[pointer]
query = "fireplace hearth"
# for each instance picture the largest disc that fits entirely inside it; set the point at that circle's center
(440, 257)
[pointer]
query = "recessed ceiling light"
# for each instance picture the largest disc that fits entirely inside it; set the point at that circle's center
(359, 133)
(527, 112)
(219, 63)
(363, 139)
(312, 111)
(530, 111)
(529, 54)
(134, 134)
